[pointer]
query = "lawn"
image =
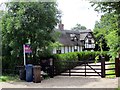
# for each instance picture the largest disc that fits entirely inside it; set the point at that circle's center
(111, 71)
(6, 78)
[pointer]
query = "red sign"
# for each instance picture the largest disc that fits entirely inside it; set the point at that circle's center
(27, 49)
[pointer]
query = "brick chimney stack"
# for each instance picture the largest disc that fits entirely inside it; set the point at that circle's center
(61, 26)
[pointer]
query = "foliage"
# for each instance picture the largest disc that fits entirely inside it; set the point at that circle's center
(67, 56)
(79, 27)
(63, 61)
(107, 6)
(110, 7)
(28, 21)
(46, 52)
(112, 41)
(118, 88)
(111, 71)
(106, 33)
(1, 14)
(108, 22)
(96, 59)
(56, 44)
(92, 55)
(6, 78)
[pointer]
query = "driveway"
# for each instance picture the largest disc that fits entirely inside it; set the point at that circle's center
(66, 82)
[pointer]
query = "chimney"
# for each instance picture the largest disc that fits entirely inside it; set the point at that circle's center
(61, 26)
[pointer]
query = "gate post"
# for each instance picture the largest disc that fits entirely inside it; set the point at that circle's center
(102, 66)
(85, 67)
(69, 69)
(52, 68)
(117, 67)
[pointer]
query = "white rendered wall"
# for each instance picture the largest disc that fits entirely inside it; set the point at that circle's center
(54, 51)
(78, 49)
(72, 49)
(66, 49)
(69, 49)
(62, 49)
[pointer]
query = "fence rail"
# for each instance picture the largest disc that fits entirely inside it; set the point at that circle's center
(87, 68)
(97, 70)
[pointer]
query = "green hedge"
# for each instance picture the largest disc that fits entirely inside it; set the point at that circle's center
(88, 54)
(9, 62)
(63, 62)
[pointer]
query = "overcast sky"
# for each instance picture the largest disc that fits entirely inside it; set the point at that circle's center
(76, 12)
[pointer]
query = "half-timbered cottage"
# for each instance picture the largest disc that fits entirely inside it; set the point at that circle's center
(74, 40)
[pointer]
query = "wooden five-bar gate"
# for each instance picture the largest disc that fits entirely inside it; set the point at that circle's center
(84, 68)
(88, 68)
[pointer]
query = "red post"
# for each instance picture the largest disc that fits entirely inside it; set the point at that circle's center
(117, 67)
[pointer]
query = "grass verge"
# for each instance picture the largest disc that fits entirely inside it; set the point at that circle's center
(6, 78)
(111, 71)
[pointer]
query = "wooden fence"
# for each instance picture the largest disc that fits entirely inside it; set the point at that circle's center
(103, 68)
(102, 73)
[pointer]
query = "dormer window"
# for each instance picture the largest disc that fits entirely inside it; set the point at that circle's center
(72, 35)
(89, 36)
(89, 41)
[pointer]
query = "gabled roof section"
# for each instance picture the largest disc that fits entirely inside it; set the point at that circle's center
(65, 39)
(83, 36)
(85, 31)
(74, 31)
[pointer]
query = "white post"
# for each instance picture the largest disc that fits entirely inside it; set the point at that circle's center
(24, 54)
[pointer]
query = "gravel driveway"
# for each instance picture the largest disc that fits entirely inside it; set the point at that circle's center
(66, 82)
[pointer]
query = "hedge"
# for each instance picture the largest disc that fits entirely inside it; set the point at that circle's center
(91, 55)
(9, 64)
(63, 62)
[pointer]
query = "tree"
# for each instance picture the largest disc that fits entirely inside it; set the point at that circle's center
(108, 22)
(28, 21)
(110, 7)
(52, 44)
(1, 14)
(79, 27)
(107, 28)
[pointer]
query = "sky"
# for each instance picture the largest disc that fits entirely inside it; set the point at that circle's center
(76, 12)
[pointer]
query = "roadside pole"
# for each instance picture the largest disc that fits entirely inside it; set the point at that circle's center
(24, 55)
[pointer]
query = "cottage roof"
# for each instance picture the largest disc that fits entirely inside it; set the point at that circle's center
(74, 31)
(83, 36)
(85, 31)
(66, 40)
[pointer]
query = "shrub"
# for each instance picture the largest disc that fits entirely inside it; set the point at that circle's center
(65, 61)
(9, 64)
(62, 61)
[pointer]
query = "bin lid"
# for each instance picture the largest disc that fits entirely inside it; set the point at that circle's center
(37, 66)
(29, 65)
